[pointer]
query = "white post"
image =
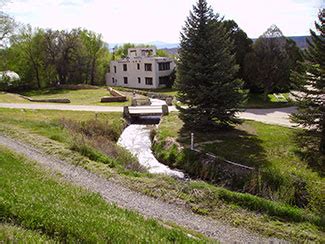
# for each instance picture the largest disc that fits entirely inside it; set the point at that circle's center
(192, 141)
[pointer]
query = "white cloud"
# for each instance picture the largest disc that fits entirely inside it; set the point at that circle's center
(148, 20)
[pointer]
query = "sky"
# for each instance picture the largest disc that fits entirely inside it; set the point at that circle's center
(143, 21)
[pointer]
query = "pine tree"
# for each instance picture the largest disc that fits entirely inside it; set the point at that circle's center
(206, 72)
(311, 98)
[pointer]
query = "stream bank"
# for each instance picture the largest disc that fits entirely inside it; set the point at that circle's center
(136, 138)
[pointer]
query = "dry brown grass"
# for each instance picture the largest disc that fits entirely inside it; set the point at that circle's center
(95, 137)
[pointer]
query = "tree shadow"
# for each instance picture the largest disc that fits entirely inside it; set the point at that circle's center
(240, 145)
(308, 144)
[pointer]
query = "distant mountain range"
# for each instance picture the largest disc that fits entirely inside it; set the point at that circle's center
(301, 41)
(172, 48)
(158, 44)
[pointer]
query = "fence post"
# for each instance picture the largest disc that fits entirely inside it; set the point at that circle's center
(192, 141)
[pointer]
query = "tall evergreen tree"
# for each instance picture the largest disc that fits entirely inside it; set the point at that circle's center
(206, 71)
(311, 99)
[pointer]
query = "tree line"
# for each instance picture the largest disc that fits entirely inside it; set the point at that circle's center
(46, 58)
(265, 64)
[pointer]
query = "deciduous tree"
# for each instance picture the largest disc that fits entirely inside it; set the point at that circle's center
(267, 68)
(242, 44)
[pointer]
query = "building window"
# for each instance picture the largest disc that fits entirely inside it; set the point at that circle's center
(148, 67)
(125, 80)
(113, 80)
(138, 66)
(164, 66)
(125, 67)
(163, 80)
(114, 69)
(139, 80)
(149, 81)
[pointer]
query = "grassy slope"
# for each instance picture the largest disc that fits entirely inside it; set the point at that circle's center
(201, 197)
(14, 234)
(41, 202)
(46, 123)
(49, 123)
(77, 97)
(268, 147)
(11, 98)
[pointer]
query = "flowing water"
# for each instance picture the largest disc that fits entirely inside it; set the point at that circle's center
(136, 139)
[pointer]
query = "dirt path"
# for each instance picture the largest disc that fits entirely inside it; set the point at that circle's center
(279, 116)
(125, 198)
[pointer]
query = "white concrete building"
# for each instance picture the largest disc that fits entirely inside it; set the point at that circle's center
(140, 69)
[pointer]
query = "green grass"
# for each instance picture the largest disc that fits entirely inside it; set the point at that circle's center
(77, 97)
(46, 122)
(243, 210)
(36, 201)
(285, 176)
(14, 234)
(11, 98)
(93, 135)
(257, 101)
(163, 90)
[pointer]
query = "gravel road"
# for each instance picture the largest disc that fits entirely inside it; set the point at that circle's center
(279, 116)
(125, 198)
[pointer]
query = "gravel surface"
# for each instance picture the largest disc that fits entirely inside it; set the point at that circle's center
(147, 206)
(279, 116)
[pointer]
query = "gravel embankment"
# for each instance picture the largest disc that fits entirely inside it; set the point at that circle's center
(125, 198)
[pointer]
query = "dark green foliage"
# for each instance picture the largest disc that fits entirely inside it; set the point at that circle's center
(45, 58)
(206, 71)
(311, 81)
(242, 44)
(267, 68)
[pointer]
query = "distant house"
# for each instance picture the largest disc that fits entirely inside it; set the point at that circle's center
(9, 76)
(140, 69)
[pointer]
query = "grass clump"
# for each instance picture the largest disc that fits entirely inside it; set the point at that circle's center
(66, 213)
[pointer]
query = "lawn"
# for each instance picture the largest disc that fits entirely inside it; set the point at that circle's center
(163, 90)
(257, 101)
(77, 97)
(11, 98)
(10, 233)
(43, 206)
(43, 130)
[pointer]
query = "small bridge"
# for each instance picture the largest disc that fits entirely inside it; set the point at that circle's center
(130, 112)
